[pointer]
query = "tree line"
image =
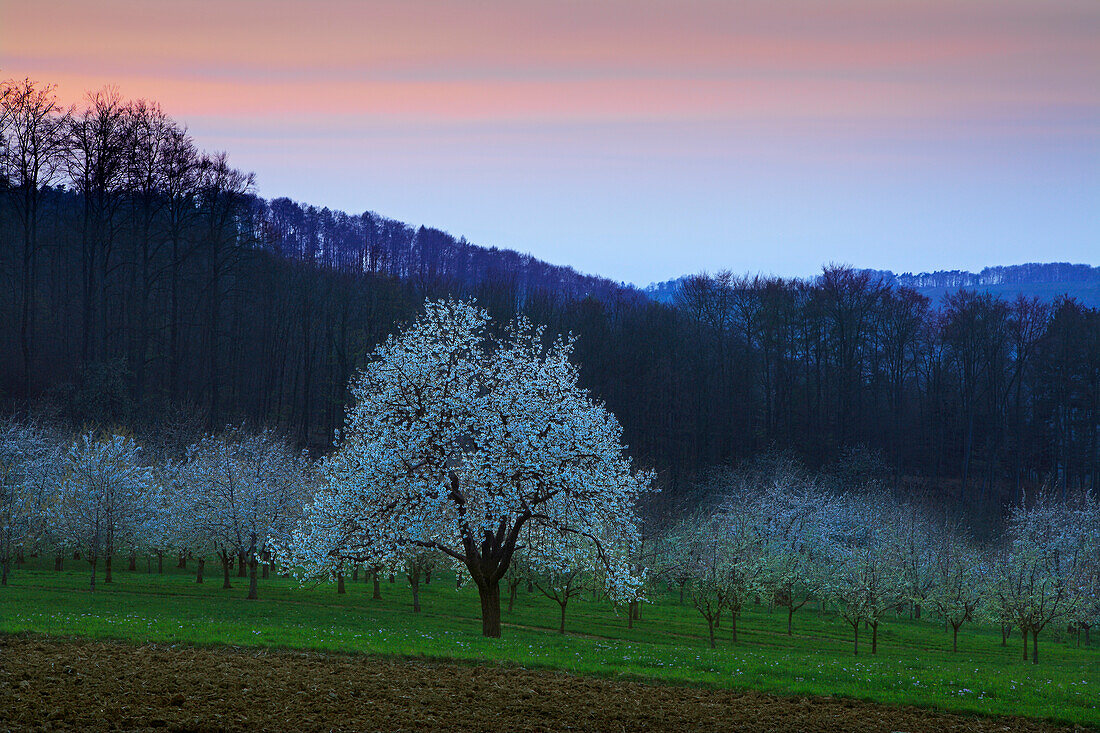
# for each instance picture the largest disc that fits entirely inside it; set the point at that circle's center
(975, 395)
(147, 286)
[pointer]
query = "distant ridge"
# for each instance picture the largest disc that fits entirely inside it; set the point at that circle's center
(1046, 281)
(1029, 274)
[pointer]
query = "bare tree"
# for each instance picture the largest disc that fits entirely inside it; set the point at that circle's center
(221, 191)
(98, 139)
(150, 139)
(180, 181)
(35, 145)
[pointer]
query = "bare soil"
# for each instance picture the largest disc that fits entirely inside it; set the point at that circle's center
(57, 684)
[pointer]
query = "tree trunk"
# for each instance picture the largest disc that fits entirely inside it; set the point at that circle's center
(427, 577)
(253, 584)
(133, 563)
(107, 570)
(511, 597)
(414, 583)
(1023, 633)
(874, 638)
(340, 590)
(955, 639)
(355, 574)
(30, 244)
(58, 562)
(790, 620)
(1034, 646)
(733, 625)
(710, 629)
(225, 572)
(855, 639)
(490, 608)
(4, 571)
(182, 565)
(241, 562)
(93, 563)
(160, 562)
(198, 575)
(561, 626)
(377, 588)
(267, 570)
(967, 445)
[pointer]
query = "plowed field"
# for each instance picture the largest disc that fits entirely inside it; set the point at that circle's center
(55, 684)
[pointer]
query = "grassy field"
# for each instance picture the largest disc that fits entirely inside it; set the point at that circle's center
(914, 665)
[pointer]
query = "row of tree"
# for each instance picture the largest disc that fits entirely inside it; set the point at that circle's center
(230, 496)
(782, 537)
(102, 496)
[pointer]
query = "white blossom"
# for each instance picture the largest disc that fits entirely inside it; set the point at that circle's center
(236, 493)
(462, 440)
(103, 498)
(29, 468)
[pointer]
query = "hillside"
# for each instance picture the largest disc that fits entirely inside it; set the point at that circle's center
(379, 245)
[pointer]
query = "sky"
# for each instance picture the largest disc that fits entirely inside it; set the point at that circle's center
(631, 139)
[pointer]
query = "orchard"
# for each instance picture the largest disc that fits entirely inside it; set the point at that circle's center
(471, 457)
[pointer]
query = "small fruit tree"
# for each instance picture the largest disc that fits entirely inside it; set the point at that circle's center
(102, 501)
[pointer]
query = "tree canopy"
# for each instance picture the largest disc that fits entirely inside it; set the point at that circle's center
(463, 439)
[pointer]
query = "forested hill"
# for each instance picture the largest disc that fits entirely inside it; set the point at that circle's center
(144, 286)
(375, 244)
(1046, 281)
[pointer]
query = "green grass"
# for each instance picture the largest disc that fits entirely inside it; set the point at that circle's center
(914, 665)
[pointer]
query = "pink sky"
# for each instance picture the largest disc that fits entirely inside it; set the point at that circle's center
(635, 139)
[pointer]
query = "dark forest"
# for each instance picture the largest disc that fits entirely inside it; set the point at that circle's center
(145, 285)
